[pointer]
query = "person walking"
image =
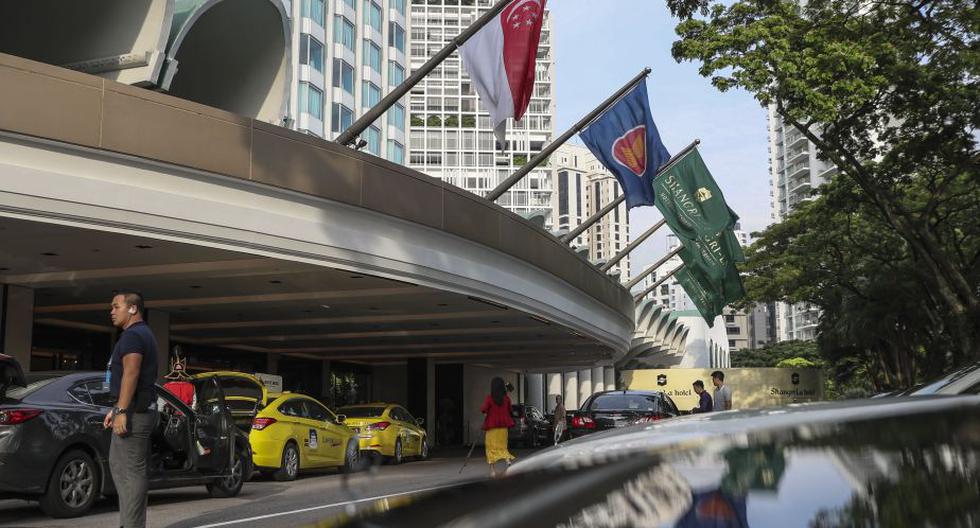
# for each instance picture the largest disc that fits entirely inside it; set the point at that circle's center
(559, 419)
(131, 375)
(498, 419)
(704, 399)
(723, 394)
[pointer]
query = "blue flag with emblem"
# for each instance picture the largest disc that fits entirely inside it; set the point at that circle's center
(627, 142)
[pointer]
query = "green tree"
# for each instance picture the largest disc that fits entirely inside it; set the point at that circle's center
(774, 353)
(886, 91)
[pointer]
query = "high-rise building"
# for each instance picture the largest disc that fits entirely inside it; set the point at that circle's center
(346, 55)
(795, 172)
(582, 187)
(450, 134)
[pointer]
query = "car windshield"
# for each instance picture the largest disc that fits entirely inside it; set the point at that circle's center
(941, 383)
(240, 388)
(361, 412)
(624, 402)
(19, 393)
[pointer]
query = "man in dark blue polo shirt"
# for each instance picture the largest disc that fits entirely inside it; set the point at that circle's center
(131, 374)
(704, 399)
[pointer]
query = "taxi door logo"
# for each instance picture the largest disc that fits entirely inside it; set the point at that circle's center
(313, 442)
(662, 380)
(630, 150)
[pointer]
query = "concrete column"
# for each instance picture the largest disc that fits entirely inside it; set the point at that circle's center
(18, 321)
(584, 385)
(430, 399)
(554, 389)
(609, 375)
(272, 364)
(535, 391)
(571, 390)
(159, 323)
(598, 380)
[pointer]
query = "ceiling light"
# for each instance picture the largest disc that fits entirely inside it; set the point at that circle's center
(357, 276)
(49, 254)
(540, 320)
(325, 306)
(491, 303)
(142, 246)
(275, 282)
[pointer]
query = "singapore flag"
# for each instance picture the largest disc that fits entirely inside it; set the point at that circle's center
(500, 60)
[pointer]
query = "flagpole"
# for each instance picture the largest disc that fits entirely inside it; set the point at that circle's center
(653, 267)
(632, 245)
(654, 286)
(595, 218)
(348, 136)
(505, 185)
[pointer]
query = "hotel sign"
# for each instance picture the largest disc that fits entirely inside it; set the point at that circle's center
(752, 388)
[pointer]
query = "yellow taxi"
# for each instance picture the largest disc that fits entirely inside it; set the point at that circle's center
(387, 429)
(295, 432)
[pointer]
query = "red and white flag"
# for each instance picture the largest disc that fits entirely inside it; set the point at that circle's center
(500, 60)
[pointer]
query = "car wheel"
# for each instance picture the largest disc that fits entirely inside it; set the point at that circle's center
(289, 467)
(397, 459)
(232, 484)
(424, 450)
(73, 487)
(352, 457)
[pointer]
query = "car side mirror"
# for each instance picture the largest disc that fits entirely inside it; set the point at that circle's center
(341, 418)
(420, 421)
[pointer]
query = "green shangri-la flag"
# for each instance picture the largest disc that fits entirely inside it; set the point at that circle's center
(695, 210)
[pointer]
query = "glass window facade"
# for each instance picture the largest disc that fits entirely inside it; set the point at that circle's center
(396, 73)
(311, 52)
(372, 55)
(343, 76)
(396, 116)
(341, 118)
(373, 138)
(370, 94)
(372, 14)
(396, 36)
(396, 152)
(310, 100)
(313, 9)
(398, 5)
(344, 32)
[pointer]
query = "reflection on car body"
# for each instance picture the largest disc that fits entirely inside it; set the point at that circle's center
(887, 462)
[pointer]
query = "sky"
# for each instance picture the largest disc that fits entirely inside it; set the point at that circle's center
(599, 45)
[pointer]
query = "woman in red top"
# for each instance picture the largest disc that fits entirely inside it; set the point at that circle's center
(496, 422)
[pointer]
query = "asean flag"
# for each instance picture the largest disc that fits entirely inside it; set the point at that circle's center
(627, 142)
(500, 60)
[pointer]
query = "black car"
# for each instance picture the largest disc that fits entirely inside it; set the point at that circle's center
(883, 462)
(54, 449)
(531, 428)
(615, 409)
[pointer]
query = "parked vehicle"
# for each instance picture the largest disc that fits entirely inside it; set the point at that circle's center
(54, 449)
(963, 381)
(388, 430)
(295, 432)
(615, 409)
(882, 462)
(531, 428)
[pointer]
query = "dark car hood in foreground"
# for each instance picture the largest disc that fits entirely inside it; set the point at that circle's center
(902, 463)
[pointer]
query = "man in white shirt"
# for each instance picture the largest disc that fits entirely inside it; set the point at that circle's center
(723, 394)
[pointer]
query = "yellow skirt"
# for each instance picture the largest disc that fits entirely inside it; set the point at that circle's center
(496, 441)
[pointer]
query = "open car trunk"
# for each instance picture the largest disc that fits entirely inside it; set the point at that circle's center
(11, 375)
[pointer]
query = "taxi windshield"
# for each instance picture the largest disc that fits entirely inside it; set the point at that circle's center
(362, 412)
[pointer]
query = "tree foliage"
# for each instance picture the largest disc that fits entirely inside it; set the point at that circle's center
(774, 353)
(888, 92)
